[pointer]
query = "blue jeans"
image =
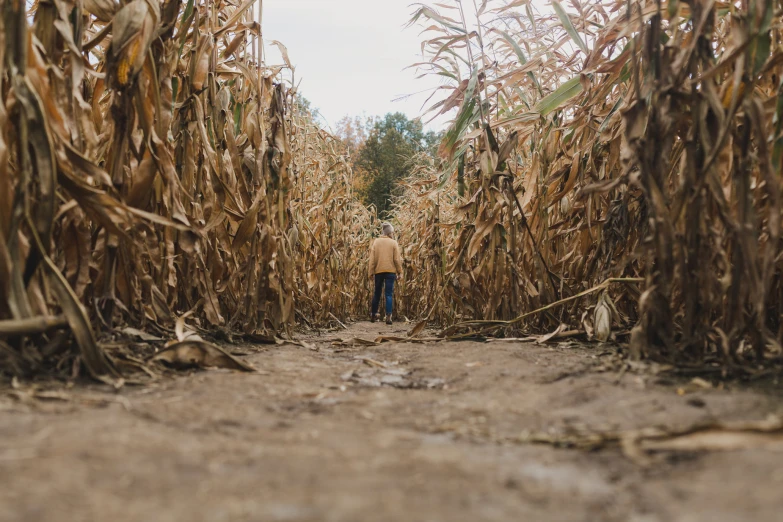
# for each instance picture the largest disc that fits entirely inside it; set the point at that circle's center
(387, 278)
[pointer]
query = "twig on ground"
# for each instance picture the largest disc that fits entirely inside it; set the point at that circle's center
(496, 323)
(338, 321)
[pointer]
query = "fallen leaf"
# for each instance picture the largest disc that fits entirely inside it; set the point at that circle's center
(416, 331)
(701, 383)
(552, 335)
(202, 354)
(144, 336)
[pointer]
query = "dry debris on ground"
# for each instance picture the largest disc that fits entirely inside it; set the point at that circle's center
(400, 430)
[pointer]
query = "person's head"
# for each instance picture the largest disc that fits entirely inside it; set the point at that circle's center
(388, 230)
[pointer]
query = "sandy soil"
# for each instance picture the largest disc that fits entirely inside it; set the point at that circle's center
(430, 434)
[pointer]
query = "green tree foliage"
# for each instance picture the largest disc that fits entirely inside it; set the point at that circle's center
(304, 105)
(386, 156)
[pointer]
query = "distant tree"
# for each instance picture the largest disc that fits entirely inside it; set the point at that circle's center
(306, 106)
(353, 131)
(386, 155)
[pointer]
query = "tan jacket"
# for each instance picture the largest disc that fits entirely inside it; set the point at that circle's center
(385, 256)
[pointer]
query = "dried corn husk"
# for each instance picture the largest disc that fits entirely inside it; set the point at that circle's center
(602, 318)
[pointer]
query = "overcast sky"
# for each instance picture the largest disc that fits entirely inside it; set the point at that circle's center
(351, 55)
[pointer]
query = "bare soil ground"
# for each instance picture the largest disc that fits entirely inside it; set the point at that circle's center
(417, 432)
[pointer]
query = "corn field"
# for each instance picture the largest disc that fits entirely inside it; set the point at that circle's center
(612, 165)
(611, 168)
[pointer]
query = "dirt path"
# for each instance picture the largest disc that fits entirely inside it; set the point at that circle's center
(429, 434)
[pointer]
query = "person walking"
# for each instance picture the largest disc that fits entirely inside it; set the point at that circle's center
(385, 267)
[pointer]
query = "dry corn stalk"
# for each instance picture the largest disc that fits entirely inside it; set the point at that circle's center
(608, 140)
(153, 174)
(162, 170)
